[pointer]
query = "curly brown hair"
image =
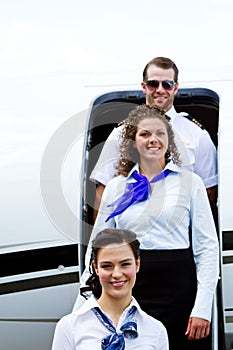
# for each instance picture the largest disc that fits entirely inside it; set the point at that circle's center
(129, 155)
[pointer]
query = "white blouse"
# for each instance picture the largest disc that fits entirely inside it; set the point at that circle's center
(81, 330)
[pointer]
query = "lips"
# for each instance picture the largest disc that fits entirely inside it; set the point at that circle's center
(118, 284)
(160, 98)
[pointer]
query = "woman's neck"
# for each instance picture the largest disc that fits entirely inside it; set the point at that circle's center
(114, 307)
(150, 169)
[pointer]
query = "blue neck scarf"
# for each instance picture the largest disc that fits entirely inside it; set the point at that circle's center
(135, 192)
(116, 341)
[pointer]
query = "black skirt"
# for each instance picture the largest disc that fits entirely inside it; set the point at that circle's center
(166, 288)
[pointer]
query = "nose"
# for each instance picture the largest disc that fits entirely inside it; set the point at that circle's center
(153, 138)
(117, 272)
(160, 87)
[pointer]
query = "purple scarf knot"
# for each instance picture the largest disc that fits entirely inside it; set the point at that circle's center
(135, 192)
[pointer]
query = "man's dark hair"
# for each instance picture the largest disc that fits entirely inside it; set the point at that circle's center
(164, 63)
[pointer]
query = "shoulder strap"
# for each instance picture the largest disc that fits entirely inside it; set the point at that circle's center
(194, 120)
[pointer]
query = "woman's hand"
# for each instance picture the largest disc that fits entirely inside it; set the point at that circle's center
(198, 328)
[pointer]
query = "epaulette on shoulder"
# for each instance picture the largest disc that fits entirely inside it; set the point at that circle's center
(194, 120)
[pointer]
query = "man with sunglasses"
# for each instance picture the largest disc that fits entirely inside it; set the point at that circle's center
(198, 152)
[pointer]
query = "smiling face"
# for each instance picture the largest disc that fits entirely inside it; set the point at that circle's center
(116, 267)
(151, 140)
(159, 96)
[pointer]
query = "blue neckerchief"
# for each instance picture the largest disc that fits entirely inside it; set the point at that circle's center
(116, 341)
(135, 192)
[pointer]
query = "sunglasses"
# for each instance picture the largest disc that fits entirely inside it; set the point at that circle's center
(166, 84)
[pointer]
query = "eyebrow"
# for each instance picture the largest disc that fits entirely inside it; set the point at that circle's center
(124, 260)
(161, 129)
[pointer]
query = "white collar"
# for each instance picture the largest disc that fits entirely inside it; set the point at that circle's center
(171, 166)
(172, 113)
(91, 302)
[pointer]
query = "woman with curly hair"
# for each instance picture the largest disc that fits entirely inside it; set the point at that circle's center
(168, 208)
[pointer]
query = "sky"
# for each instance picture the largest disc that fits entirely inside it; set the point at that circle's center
(72, 36)
(50, 48)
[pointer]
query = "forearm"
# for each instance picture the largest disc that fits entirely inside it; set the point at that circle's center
(98, 195)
